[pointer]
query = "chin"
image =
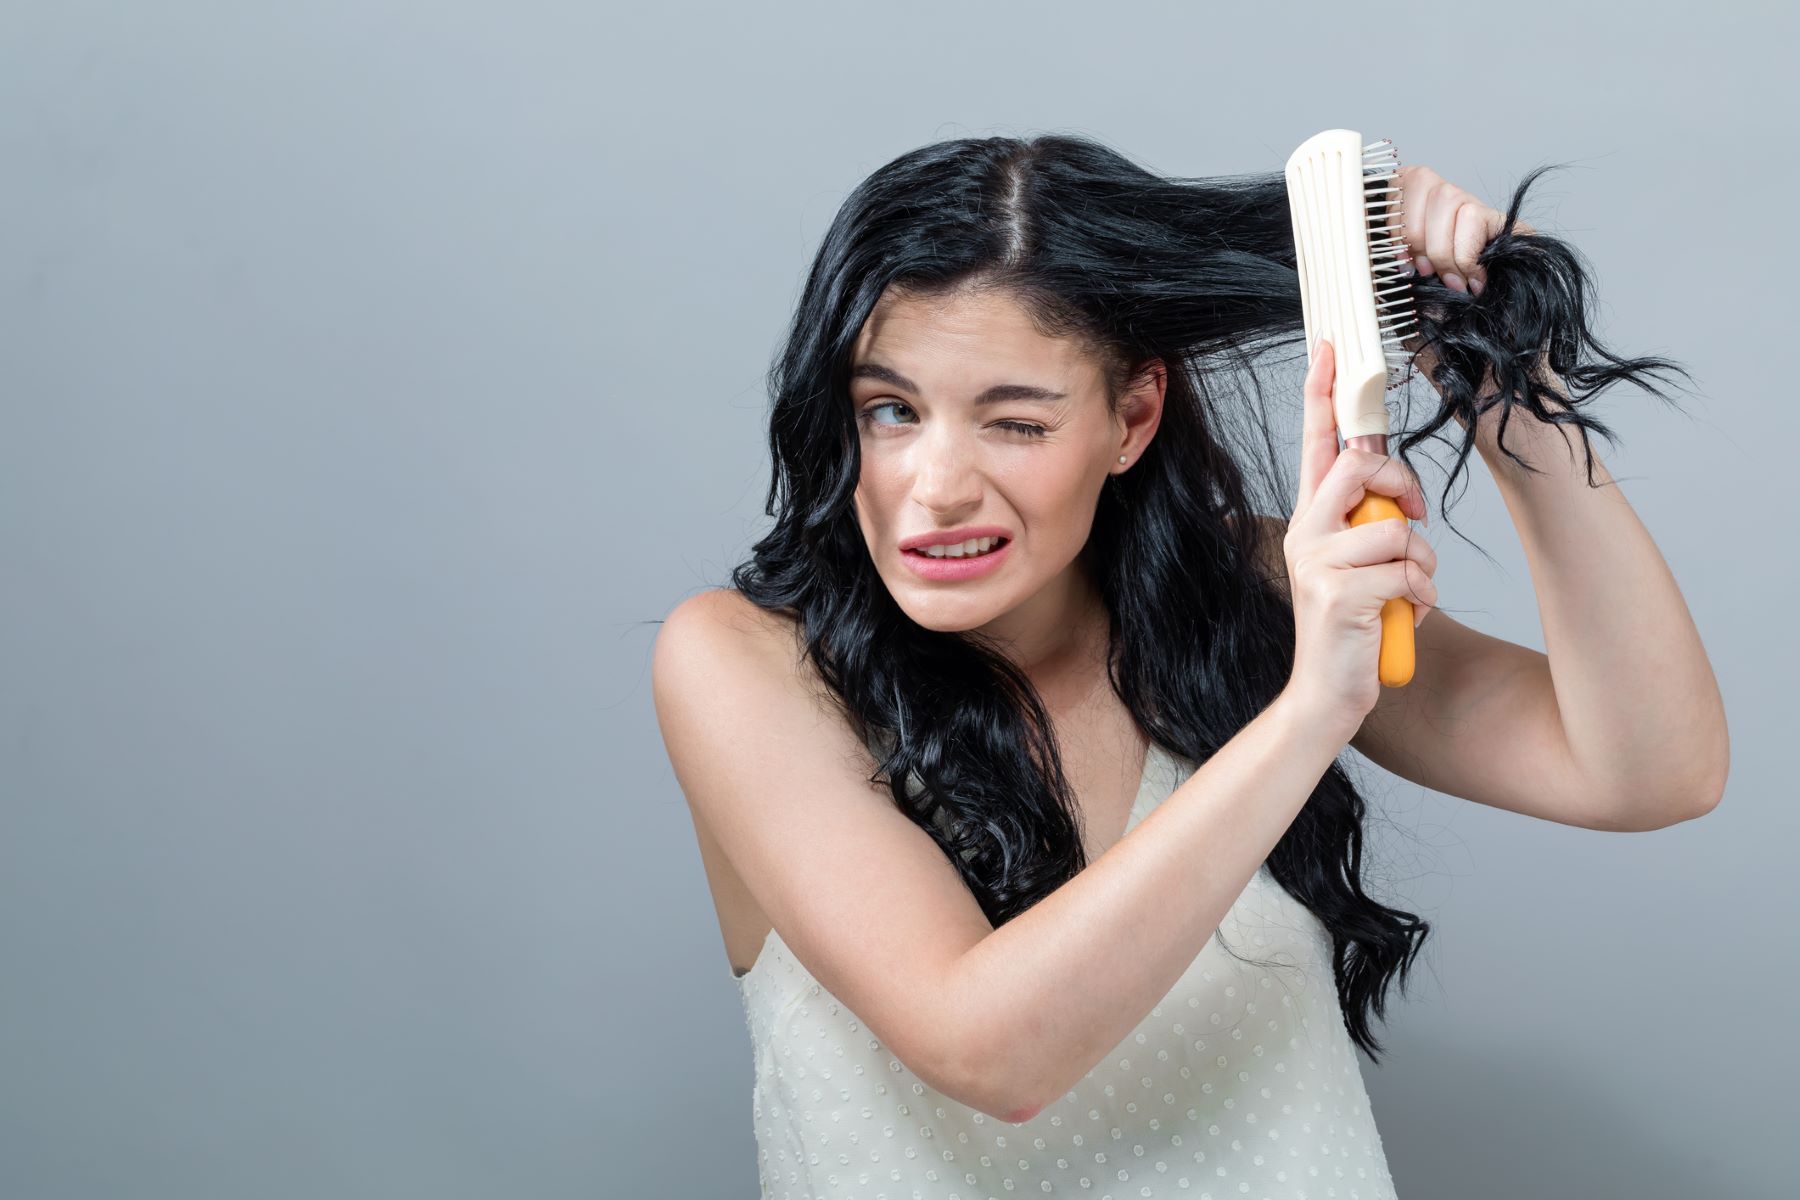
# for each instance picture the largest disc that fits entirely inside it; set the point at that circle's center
(945, 613)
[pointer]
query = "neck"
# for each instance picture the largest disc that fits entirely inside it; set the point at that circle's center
(1058, 638)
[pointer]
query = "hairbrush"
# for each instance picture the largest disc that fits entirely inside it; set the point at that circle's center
(1356, 292)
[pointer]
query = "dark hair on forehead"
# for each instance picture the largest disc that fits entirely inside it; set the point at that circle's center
(1051, 316)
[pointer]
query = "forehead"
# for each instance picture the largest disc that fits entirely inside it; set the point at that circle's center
(920, 336)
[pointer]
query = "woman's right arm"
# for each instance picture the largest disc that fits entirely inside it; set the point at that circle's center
(1001, 1020)
(1052, 991)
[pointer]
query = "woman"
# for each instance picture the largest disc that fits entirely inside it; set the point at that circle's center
(985, 825)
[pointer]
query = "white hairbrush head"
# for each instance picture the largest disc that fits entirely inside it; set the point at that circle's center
(1356, 289)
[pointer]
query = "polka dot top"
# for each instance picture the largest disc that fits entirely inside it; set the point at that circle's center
(1241, 1082)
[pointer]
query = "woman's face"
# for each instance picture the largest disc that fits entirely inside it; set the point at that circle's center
(973, 424)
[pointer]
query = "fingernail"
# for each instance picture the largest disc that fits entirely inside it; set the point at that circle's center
(1423, 264)
(1419, 617)
(1476, 286)
(1454, 281)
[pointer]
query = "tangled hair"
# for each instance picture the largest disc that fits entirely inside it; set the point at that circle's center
(1200, 274)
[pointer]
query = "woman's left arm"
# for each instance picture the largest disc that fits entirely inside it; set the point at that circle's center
(1635, 693)
(1638, 699)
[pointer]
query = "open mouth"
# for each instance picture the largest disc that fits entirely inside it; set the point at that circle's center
(983, 547)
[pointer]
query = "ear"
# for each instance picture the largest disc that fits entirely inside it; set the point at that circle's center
(1140, 409)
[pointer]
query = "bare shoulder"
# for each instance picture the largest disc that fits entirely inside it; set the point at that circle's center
(786, 790)
(717, 647)
(726, 615)
(718, 643)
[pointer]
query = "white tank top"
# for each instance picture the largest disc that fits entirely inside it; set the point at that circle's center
(1241, 1082)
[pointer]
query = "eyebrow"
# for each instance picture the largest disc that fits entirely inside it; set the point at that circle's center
(994, 395)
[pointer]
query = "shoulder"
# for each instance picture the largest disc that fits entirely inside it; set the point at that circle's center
(718, 650)
(722, 621)
(785, 794)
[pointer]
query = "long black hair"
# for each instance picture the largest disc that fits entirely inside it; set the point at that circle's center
(1200, 274)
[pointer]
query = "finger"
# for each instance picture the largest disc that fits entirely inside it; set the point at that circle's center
(1476, 226)
(1358, 472)
(1401, 579)
(1372, 585)
(1414, 502)
(1417, 204)
(1440, 228)
(1388, 540)
(1318, 425)
(1412, 499)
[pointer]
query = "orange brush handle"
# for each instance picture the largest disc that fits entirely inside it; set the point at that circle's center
(1396, 665)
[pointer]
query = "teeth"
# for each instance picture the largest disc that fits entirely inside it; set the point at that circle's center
(964, 549)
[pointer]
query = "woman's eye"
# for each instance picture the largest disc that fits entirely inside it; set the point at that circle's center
(1020, 427)
(868, 414)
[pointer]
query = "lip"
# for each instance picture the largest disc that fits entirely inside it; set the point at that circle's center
(950, 570)
(951, 537)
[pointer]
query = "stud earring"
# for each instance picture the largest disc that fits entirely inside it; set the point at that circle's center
(1121, 458)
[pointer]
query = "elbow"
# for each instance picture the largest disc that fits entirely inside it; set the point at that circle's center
(1008, 1060)
(1692, 811)
(1685, 804)
(1686, 786)
(1004, 1104)
(1012, 1100)
(1704, 796)
(978, 1081)
(982, 1072)
(1675, 796)
(1708, 798)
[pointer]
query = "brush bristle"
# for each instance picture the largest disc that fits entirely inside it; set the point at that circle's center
(1395, 314)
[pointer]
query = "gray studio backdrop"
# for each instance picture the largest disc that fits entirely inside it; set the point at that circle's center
(376, 374)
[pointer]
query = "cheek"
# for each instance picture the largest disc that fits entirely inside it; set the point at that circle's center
(875, 497)
(882, 478)
(1052, 486)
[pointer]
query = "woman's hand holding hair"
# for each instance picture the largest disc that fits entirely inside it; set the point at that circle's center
(1340, 575)
(1446, 228)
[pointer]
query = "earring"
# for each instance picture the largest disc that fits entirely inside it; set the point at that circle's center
(1121, 458)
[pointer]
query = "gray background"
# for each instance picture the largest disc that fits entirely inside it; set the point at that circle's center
(374, 372)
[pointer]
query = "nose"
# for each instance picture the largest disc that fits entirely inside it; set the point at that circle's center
(946, 474)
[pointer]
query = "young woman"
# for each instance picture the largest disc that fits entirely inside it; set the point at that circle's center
(1022, 724)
